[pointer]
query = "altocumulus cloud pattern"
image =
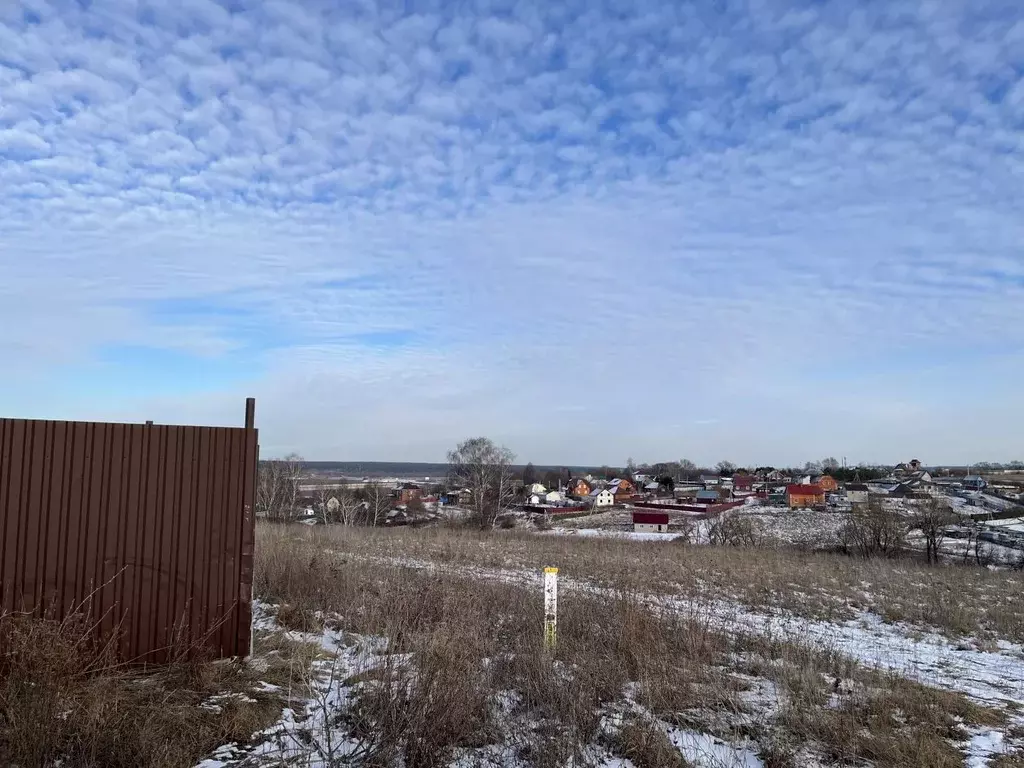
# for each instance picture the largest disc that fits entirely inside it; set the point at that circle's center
(759, 230)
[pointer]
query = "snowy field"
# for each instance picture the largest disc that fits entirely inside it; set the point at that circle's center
(858, 659)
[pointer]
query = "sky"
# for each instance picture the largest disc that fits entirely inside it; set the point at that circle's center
(760, 231)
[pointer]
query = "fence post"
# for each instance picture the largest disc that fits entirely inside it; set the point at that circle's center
(550, 607)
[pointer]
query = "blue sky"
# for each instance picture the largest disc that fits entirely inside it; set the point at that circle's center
(763, 231)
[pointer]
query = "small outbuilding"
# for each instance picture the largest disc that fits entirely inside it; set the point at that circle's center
(650, 522)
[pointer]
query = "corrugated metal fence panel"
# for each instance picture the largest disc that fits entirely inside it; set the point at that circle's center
(147, 529)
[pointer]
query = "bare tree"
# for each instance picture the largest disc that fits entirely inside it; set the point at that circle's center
(485, 470)
(725, 467)
(529, 475)
(415, 507)
(348, 509)
(830, 464)
(377, 503)
(873, 529)
(325, 504)
(277, 488)
(932, 518)
(334, 505)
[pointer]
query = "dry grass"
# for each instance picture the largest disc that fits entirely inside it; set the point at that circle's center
(958, 600)
(466, 668)
(64, 702)
(646, 744)
(465, 675)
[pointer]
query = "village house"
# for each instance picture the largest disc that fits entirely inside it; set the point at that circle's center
(857, 493)
(708, 496)
(601, 497)
(547, 497)
(454, 495)
(974, 483)
(710, 480)
(406, 492)
(743, 482)
(537, 488)
(827, 483)
(800, 495)
(650, 522)
(579, 487)
(621, 490)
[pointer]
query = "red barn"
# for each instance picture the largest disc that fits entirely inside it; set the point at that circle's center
(650, 522)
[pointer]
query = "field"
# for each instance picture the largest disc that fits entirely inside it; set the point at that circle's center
(424, 648)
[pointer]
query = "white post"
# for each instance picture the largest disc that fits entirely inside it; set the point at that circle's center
(550, 607)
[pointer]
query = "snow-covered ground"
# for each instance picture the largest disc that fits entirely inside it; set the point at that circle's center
(613, 534)
(990, 677)
(310, 733)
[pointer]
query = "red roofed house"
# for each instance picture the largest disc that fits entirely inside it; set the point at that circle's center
(650, 522)
(805, 496)
(743, 482)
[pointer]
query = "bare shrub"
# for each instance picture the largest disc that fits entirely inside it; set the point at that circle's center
(64, 701)
(687, 531)
(932, 518)
(732, 531)
(646, 744)
(873, 530)
(422, 710)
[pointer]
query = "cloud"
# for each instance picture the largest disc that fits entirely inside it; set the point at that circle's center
(23, 143)
(569, 227)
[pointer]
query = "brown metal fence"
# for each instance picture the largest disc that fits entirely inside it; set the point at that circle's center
(145, 529)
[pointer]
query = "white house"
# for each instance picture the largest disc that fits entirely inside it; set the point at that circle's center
(549, 497)
(601, 497)
(650, 522)
(537, 488)
(857, 493)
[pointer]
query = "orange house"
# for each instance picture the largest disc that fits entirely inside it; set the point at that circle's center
(622, 489)
(578, 487)
(801, 496)
(828, 484)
